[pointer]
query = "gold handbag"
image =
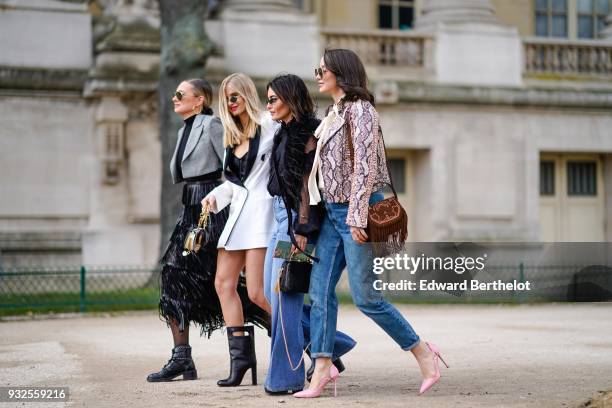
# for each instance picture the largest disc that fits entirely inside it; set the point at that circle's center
(199, 236)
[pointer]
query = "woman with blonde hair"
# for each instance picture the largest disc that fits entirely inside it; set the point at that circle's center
(248, 141)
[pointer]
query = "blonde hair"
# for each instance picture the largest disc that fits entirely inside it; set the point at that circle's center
(234, 134)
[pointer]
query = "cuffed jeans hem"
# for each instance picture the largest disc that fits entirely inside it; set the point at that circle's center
(413, 345)
(321, 355)
(296, 388)
(336, 356)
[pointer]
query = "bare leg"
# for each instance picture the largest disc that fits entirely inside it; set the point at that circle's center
(254, 277)
(322, 366)
(425, 358)
(229, 265)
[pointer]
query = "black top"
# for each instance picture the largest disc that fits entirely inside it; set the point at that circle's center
(182, 145)
(237, 170)
(291, 160)
(238, 166)
(289, 170)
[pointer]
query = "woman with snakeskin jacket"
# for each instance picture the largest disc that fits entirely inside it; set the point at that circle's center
(347, 182)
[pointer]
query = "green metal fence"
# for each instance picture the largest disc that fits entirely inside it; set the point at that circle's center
(81, 289)
(78, 289)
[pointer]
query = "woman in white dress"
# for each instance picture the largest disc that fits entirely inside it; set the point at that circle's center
(248, 142)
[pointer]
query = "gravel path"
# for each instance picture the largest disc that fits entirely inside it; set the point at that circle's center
(500, 356)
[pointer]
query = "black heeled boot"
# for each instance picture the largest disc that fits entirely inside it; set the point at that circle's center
(337, 362)
(242, 356)
(180, 363)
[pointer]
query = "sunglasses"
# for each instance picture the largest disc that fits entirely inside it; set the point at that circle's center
(233, 99)
(319, 72)
(272, 100)
(180, 95)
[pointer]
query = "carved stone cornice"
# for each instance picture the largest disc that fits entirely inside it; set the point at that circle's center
(456, 12)
(533, 96)
(49, 79)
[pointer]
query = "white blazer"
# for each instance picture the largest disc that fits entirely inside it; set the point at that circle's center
(251, 218)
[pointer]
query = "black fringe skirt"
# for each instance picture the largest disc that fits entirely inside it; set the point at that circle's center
(188, 282)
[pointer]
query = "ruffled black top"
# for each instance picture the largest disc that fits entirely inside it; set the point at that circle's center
(292, 158)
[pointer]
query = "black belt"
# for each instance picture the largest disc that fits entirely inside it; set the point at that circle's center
(206, 177)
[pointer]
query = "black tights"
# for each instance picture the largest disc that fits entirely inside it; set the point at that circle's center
(180, 338)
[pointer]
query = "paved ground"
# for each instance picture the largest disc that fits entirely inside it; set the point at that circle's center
(500, 356)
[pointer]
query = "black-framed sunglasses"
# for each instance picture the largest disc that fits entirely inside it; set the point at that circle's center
(318, 71)
(179, 95)
(233, 99)
(272, 100)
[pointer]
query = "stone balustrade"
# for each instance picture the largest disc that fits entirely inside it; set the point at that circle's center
(567, 58)
(382, 47)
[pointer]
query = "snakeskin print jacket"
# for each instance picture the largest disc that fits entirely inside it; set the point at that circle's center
(353, 181)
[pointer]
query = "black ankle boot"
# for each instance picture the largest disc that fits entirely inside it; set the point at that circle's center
(179, 364)
(242, 356)
(337, 362)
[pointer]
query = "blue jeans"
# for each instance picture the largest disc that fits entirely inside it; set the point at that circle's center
(337, 249)
(296, 319)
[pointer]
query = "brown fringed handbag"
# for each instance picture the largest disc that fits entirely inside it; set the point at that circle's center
(387, 220)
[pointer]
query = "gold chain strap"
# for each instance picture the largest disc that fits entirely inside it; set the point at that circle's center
(282, 322)
(204, 215)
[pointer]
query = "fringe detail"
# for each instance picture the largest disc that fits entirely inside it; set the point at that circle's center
(187, 283)
(194, 192)
(388, 238)
(187, 296)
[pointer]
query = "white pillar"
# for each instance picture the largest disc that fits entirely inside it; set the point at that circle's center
(456, 11)
(258, 5)
(274, 37)
(471, 45)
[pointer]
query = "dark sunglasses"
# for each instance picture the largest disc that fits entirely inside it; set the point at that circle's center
(319, 72)
(272, 100)
(179, 95)
(233, 99)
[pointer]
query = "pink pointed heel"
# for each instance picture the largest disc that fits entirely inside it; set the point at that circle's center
(429, 382)
(316, 391)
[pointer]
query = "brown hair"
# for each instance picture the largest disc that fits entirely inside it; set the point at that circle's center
(201, 87)
(350, 73)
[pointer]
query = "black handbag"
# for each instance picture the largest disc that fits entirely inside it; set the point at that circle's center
(294, 276)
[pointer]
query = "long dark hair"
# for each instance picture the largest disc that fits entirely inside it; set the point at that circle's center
(350, 73)
(292, 90)
(201, 87)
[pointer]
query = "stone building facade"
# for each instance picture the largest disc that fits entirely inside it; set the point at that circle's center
(497, 114)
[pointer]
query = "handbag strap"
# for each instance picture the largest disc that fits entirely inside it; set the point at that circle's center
(280, 312)
(290, 232)
(203, 221)
(352, 153)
